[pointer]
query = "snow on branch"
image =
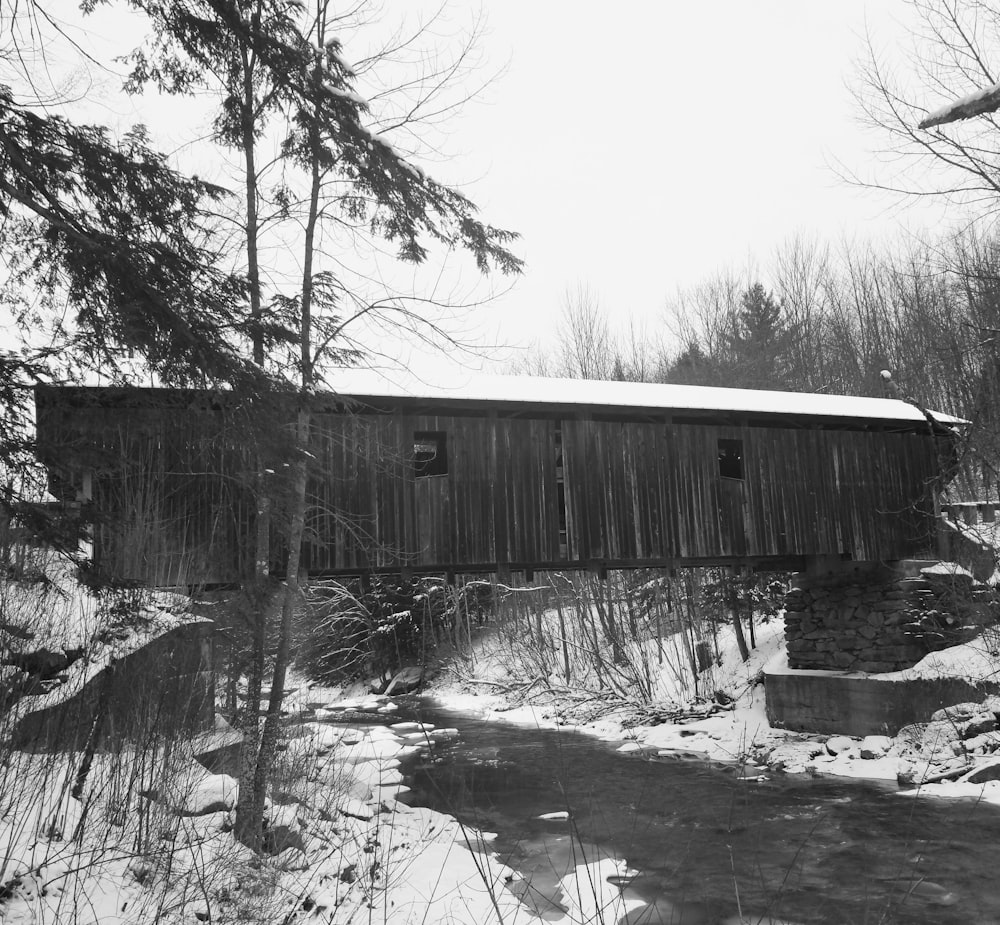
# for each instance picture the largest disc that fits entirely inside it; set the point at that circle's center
(975, 104)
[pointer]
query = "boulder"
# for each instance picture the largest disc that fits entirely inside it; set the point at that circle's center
(837, 744)
(983, 773)
(793, 757)
(875, 746)
(210, 793)
(983, 744)
(980, 723)
(405, 680)
(282, 831)
(928, 741)
(956, 713)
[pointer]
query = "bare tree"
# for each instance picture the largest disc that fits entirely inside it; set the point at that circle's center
(586, 346)
(954, 55)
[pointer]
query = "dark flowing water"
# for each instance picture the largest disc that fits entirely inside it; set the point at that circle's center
(707, 843)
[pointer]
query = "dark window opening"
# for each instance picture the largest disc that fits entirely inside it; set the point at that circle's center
(731, 459)
(430, 453)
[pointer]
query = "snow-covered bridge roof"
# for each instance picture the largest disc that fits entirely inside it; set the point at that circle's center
(598, 394)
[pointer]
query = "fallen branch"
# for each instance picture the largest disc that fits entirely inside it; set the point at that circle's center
(947, 775)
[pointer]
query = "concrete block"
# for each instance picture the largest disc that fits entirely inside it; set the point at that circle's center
(858, 706)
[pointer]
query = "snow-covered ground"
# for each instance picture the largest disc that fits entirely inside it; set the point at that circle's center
(352, 852)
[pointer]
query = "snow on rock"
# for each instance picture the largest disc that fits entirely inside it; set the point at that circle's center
(875, 746)
(794, 757)
(380, 733)
(389, 777)
(221, 736)
(414, 738)
(405, 680)
(947, 569)
(365, 704)
(197, 796)
(284, 815)
(321, 737)
(358, 809)
(558, 816)
(370, 750)
(971, 661)
(988, 771)
(73, 622)
(837, 744)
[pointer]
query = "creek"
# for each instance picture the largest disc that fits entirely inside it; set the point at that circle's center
(705, 842)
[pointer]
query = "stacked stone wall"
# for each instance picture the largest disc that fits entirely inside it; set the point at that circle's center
(878, 619)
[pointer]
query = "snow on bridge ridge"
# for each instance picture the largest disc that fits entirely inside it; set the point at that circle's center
(615, 394)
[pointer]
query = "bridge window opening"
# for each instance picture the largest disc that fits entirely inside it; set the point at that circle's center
(430, 453)
(731, 459)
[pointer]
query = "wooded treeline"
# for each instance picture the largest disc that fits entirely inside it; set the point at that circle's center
(819, 318)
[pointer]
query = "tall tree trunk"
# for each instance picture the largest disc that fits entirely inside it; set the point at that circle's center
(290, 599)
(249, 807)
(297, 500)
(248, 825)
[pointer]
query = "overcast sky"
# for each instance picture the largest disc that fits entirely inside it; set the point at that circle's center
(640, 147)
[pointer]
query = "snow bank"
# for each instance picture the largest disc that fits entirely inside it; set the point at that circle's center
(352, 853)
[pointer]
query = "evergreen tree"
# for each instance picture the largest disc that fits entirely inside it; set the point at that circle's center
(279, 73)
(757, 350)
(110, 266)
(694, 367)
(109, 229)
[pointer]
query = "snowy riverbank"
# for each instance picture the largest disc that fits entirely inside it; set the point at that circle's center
(960, 740)
(138, 845)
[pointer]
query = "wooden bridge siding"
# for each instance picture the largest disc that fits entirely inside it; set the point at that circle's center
(641, 490)
(804, 492)
(177, 506)
(453, 513)
(911, 469)
(527, 489)
(647, 458)
(784, 507)
(634, 490)
(358, 493)
(693, 489)
(616, 478)
(582, 521)
(643, 511)
(387, 517)
(473, 491)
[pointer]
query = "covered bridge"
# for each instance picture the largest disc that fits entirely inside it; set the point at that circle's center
(501, 474)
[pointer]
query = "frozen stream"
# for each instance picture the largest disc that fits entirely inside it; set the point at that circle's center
(706, 843)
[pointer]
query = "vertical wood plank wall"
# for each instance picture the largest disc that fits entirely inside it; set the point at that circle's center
(635, 490)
